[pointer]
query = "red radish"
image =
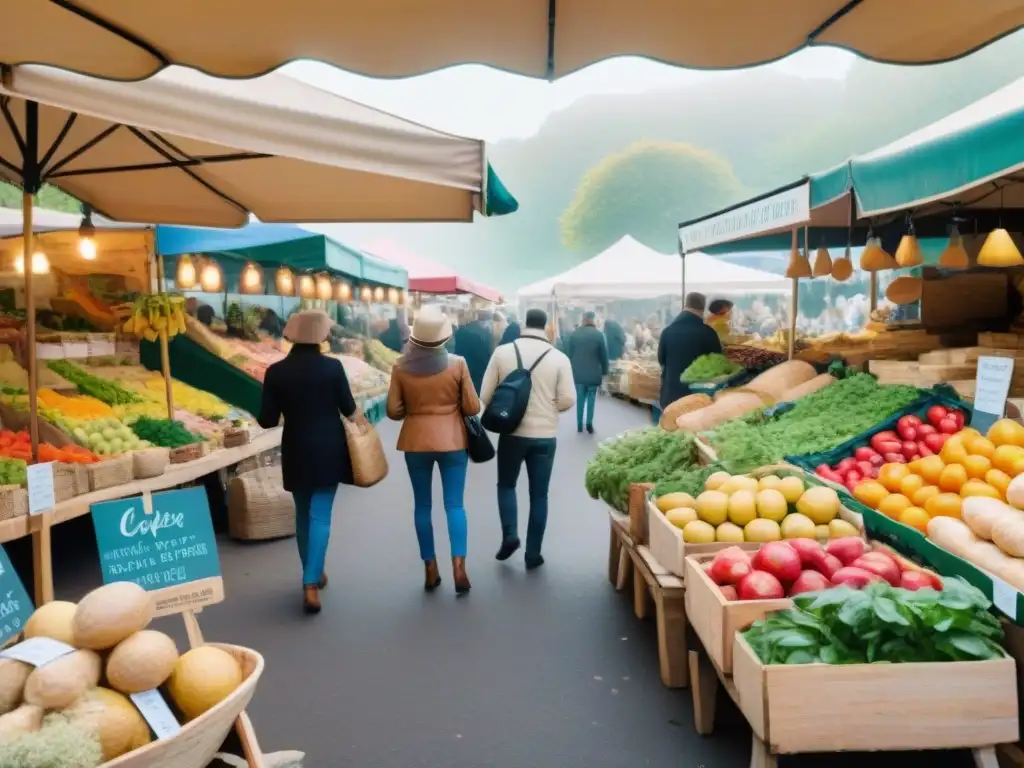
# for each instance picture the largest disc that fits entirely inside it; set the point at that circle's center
(760, 585)
(948, 426)
(857, 578)
(807, 549)
(846, 465)
(887, 446)
(809, 581)
(909, 448)
(847, 548)
(935, 442)
(926, 429)
(915, 580)
(729, 592)
(880, 564)
(823, 562)
(864, 453)
(779, 559)
(958, 418)
(895, 458)
(729, 566)
(936, 414)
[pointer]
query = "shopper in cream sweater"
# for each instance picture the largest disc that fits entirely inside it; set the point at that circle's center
(533, 442)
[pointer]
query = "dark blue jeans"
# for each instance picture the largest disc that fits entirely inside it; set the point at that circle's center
(538, 454)
(586, 399)
(452, 465)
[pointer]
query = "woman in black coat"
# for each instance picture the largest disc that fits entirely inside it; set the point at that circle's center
(311, 392)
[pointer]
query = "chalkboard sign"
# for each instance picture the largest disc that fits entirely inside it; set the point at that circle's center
(991, 390)
(15, 604)
(163, 542)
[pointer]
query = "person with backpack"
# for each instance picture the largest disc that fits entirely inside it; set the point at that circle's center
(527, 384)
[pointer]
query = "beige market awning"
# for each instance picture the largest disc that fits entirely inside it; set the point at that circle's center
(184, 148)
(131, 39)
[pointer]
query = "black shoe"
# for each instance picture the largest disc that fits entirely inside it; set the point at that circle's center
(532, 563)
(507, 549)
(432, 579)
(580, 430)
(590, 429)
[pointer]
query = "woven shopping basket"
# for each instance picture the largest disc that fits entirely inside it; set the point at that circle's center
(110, 472)
(369, 464)
(13, 502)
(259, 507)
(152, 462)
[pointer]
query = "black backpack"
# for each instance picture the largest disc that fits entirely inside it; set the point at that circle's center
(511, 397)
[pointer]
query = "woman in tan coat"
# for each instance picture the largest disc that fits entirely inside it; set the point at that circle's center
(431, 392)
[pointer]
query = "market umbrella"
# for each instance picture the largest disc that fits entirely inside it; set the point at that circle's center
(184, 148)
(129, 39)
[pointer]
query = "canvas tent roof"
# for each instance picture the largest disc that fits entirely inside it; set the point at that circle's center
(630, 270)
(426, 275)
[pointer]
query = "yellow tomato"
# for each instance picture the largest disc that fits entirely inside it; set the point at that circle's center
(915, 517)
(952, 478)
(921, 497)
(894, 504)
(1008, 458)
(954, 452)
(1006, 432)
(911, 484)
(998, 480)
(930, 467)
(979, 488)
(944, 505)
(870, 493)
(976, 445)
(891, 475)
(977, 465)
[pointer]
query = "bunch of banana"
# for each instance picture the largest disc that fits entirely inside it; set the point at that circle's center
(153, 314)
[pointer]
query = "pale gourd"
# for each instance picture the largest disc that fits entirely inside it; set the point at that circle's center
(61, 683)
(141, 662)
(951, 534)
(908, 252)
(53, 620)
(108, 615)
(842, 269)
(13, 675)
(114, 719)
(728, 408)
(822, 263)
(981, 514)
(22, 721)
(999, 250)
(905, 290)
(954, 255)
(802, 390)
(779, 379)
(683, 405)
(1008, 534)
(956, 538)
(874, 258)
(202, 679)
(798, 266)
(1015, 492)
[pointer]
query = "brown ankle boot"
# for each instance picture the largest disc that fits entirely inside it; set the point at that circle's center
(310, 598)
(323, 581)
(462, 585)
(432, 578)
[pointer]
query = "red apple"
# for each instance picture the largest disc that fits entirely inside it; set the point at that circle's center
(779, 559)
(857, 578)
(824, 563)
(729, 592)
(915, 580)
(809, 581)
(847, 549)
(807, 549)
(881, 564)
(729, 566)
(760, 585)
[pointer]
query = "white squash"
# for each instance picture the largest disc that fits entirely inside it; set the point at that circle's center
(61, 683)
(141, 662)
(13, 675)
(1008, 534)
(24, 720)
(1015, 492)
(108, 615)
(981, 513)
(53, 620)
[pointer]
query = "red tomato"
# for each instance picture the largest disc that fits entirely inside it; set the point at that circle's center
(845, 465)
(936, 414)
(864, 453)
(831, 476)
(948, 426)
(865, 468)
(877, 460)
(908, 433)
(936, 441)
(926, 429)
(958, 418)
(895, 458)
(888, 446)
(924, 450)
(908, 448)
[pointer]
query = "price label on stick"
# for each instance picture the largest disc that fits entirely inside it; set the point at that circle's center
(41, 494)
(156, 712)
(37, 651)
(991, 390)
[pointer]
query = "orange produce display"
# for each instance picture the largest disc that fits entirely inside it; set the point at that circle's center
(17, 445)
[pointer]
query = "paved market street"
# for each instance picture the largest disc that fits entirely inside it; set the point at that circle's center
(542, 670)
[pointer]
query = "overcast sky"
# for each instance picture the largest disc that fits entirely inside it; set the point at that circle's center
(484, 103)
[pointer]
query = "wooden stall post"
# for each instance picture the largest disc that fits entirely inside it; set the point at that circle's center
(873, 294)
(42, 558)
(794, 302)
(165, 354)
(30, 318)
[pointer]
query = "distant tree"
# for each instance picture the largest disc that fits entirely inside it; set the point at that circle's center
(645, 191)
(50, 198)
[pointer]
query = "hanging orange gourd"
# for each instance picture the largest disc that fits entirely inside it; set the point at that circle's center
(822, 262)
(954, 255)
(999, 250)
(874, 257)
(908, 254)
(799, 266)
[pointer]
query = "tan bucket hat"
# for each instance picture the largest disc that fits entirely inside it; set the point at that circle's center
(431, 328)
(312, 326)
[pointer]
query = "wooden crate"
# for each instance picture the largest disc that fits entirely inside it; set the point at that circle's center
(668, 548)
(706, 455)
(717, 620)
(876, 707)
(619, 543)
(999, 340)
(653, 585)
(637, 510)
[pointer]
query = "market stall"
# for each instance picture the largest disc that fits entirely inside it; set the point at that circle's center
(427, 276)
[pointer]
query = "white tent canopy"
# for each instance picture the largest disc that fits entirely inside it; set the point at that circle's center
(631, 270)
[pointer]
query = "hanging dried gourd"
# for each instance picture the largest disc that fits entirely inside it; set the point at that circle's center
(822, 262)
(908, 254)
(905, 290)
(799, 266)
(954, 255)
(874, 257)
(999, 250)
(842, 268)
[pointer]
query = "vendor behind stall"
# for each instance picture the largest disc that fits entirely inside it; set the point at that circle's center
(720, 318)
(202, 312)
(271, 323)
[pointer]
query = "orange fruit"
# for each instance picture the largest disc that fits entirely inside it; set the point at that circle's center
(911, 484)
(870, 493)
(891, 475)
(930, 468)
(954, 452)
(1006, 457)
(968, 432)
(979, 488)
(893, 504)
(915, 517)
(976, 445)
(1006, 432)
(977, 465)
(952, 478)
(998, 480)
(925, 493)
(944, 505)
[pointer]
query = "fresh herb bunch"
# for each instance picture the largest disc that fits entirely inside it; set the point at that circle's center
(689, 481)
(818, 422)
(102, 389)
(166, 433)
(710, 367)
(880, 623)
(649, 455)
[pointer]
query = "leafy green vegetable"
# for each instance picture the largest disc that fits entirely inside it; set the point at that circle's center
(649, 455)
(164, 432)
(818, 422)
(710, 367)
(102, 389)
(880, 623)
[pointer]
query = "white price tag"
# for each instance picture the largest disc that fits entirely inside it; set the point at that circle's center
(41, 494)
(156, 712)
(1004, 597)
(37, 651)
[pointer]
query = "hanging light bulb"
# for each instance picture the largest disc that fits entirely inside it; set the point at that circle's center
(251, 279)
(908, 253)
(999, 250)
(284, 282)
(307, 287)
(324, 289)
(378, 294)
(366, 293)
(822, 261)
(874, 258)
(954, 255)
(342, 290)
(87, 236)
(393, 296)
(40, 263)
(186, 274)
(799, 266)
(211, 279)
(401, 298)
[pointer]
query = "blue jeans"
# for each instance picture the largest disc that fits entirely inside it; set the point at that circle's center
(538, 454)
(453, 484)
(313, 530)
(586, 399)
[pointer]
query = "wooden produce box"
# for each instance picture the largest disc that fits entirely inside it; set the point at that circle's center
(876, 707)
(668, 548)
(706, 455)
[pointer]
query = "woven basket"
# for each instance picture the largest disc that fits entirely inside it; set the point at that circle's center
(643, 386)
(67, 481)
(199, 740)
(189, 452)
(365, 451)
(259, 507)
(151, 462)
(235, 437)
(107, 474)
(13, 502)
